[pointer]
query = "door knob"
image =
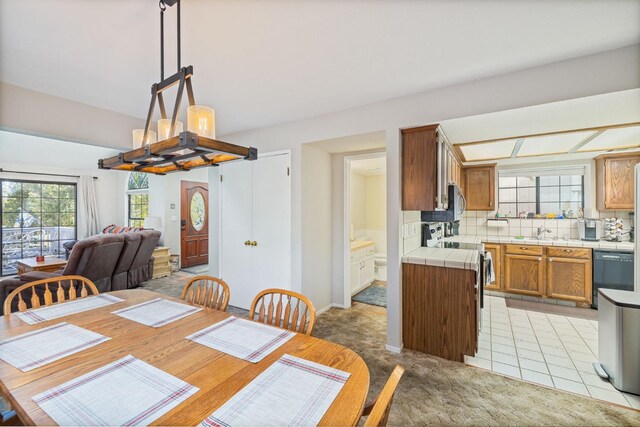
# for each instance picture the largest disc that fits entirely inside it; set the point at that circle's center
(247, 243)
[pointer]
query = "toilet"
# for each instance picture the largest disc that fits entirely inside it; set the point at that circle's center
(380, 263)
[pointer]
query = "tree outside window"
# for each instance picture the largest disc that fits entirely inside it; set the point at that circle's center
(137, 199)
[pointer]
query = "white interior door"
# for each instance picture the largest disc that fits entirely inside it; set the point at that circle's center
(236, 258)
(272, 222)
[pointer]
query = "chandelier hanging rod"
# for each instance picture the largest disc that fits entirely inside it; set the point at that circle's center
(162, 4)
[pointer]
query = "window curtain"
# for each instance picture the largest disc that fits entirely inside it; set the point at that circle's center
(88, 216)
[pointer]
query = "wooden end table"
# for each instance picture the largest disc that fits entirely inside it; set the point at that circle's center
(50, 264)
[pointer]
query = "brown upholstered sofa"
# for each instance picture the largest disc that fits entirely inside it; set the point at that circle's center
(111, 261)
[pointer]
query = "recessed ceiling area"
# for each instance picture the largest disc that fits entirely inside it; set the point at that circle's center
(604, 139)
(488, 151)
(551, 144)
(580, 128)
(613, 139)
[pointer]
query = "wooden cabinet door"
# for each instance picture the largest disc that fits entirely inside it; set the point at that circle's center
(569, 279)
(496, 254)
(618, 182)
(480, 188)
(420, 168)
(524, 274)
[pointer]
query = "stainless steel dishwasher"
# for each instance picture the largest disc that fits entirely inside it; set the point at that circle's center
(612, 269)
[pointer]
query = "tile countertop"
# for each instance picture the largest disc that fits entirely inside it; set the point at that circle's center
(359, 244)
(602, 244)
(439, 257)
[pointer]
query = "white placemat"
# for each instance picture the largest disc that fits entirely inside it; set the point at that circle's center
(125, 392)
(292, 391)
(66, 308)
(251, 341)
(34, 349)
(157, 312)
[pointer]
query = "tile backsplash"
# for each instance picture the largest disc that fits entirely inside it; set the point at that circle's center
(475, 223)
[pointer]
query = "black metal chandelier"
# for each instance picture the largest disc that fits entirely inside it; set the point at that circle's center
(171, 149)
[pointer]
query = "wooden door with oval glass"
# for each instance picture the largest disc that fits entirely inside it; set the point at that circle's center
(194, 223)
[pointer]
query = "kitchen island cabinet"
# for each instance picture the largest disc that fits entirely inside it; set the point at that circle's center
(440, 310)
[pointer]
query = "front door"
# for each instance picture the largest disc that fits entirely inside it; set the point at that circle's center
(194, 223)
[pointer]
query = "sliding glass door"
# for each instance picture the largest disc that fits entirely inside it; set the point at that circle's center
(37, 219)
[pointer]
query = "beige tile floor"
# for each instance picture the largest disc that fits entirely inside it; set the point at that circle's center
(548, 349)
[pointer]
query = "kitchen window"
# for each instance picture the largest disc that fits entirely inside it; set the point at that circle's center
(540, 194)
(37, 219)
(137, 199)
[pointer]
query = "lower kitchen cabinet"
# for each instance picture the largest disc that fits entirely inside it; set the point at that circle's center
(362, 268)
(496, 259)
(524, 274)
(549, 272)
(569, 279)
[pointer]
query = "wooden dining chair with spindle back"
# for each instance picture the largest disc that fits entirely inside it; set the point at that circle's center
(284, 309)
(65, 288)
(377, 412)
(207, 291)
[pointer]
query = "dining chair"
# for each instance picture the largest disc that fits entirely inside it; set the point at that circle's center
(65, 288)
(284, 309)
(207, 291)
(378, 410)
(9, 418)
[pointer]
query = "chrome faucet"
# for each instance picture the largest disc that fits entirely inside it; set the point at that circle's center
(542, 230)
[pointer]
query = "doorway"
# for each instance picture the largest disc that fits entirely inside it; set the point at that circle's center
(365, 202)
(194, 223)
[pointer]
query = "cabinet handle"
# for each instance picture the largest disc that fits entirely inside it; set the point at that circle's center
(540, 259)
(247, 243)
(524, 248)
(254, 243)
(550, 259)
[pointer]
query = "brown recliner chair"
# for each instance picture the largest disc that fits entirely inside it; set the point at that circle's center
(119, 278)
(141, 268)
(94, 258)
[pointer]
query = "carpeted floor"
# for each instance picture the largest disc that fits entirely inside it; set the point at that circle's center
(437, 391)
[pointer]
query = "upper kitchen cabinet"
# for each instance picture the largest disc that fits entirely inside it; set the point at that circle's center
(429, 164)
(479, 188)
(614, 180)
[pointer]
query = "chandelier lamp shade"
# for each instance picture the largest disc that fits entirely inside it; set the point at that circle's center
(172, 148)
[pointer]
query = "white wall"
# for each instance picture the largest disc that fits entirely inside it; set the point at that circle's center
(316, 227)
(358, 201)
(591, 75)
(27, 153)
(164, 190)
(368, 201)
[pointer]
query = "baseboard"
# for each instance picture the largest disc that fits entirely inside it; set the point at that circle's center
(329, 307)
(393, 349)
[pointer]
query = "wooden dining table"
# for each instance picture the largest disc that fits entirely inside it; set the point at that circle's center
(218, 375)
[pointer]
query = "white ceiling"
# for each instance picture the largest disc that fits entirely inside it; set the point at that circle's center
(370, 167)
(260, 63)
(352, 143)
